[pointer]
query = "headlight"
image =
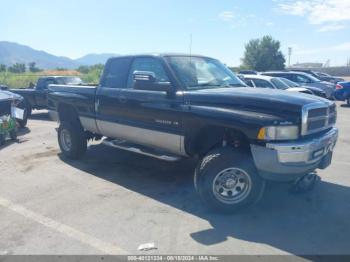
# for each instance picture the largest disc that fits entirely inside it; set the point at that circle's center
(278, 133)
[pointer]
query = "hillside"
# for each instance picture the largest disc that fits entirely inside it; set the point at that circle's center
(11, 53)
(93, 59)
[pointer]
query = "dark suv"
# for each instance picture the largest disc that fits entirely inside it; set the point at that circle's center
(306, 80)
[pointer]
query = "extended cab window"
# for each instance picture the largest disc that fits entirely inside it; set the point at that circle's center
(147, 64)
(116, 73)
(44, 83)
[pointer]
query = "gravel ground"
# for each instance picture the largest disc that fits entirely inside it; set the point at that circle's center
(112, 201)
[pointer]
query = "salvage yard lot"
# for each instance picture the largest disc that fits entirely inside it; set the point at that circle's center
(112, 201)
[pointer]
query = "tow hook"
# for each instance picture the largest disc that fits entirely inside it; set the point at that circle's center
(305, 183)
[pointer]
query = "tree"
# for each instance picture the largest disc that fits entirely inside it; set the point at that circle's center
(84, 69)
(32, 67)
(263, 54)
(2, 68)
(17, 68)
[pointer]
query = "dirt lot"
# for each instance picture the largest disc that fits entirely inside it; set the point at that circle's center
(112, 201)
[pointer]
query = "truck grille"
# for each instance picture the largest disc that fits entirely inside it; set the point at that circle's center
(318, 117)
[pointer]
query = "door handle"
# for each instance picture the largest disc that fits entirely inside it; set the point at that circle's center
(122, 99)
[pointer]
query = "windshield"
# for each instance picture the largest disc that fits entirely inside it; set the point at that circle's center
(288, 82)
(202, 73)
(278, 83)
(69, 81)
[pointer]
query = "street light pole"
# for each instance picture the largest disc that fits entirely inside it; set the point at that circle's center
(289, 55)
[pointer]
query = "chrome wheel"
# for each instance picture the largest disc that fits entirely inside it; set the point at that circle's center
(232, 185)
(66, 140)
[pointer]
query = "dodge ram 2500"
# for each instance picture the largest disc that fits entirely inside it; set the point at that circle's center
(172, 106)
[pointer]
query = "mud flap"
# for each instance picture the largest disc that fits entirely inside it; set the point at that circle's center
(305, 183)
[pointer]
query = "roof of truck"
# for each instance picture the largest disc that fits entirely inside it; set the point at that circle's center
(160, 55)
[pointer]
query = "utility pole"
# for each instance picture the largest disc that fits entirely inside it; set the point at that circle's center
(289, 55)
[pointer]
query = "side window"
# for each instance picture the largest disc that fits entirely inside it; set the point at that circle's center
(262, 83)
(117, 73)
(249, 82)
(48, 82)
(302, 79)
(147, 64)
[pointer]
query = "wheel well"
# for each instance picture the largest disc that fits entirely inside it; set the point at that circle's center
(210, 137)
(68, 113)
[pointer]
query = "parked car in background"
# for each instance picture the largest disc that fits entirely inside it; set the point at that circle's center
(321, 76)
(316, 91)
(260, 81)
(36, 97)
(8, 99)
(342, 92)
(305, 79)
(248, 72)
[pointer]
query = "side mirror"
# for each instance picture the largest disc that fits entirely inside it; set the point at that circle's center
(145, 80)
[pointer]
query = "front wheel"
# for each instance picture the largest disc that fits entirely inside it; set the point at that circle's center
(72, 140)
(227, 180)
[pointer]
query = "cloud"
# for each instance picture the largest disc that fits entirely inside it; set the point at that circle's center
(269, 24)
(342, 47)
(319, 12)
(328, 28)
(226, 15)
(339, 47)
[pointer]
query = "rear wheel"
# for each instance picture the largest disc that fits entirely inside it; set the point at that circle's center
(72, 140)
(227, 180)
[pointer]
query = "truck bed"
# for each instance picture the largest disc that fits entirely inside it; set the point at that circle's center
(81, 97)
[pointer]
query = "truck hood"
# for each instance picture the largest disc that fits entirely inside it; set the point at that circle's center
(253, 99)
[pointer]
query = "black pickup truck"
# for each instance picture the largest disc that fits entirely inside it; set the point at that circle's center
(36, 97)
(179, 106)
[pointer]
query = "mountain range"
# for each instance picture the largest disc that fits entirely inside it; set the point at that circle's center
(11, 53)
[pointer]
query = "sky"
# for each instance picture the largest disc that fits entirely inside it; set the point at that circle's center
(317, 30)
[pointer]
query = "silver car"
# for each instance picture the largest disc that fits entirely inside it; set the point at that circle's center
(260, 81)
(305, 80)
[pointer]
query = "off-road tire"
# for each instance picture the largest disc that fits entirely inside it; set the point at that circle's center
(213, 164)
(78, 140)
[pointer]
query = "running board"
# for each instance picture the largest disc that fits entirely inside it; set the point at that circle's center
(125, 145)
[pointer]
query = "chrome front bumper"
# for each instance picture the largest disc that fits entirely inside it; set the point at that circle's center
(287, 161)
